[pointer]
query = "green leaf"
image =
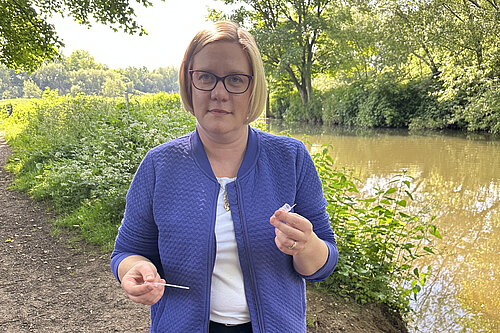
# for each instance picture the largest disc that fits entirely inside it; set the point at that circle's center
(409, 195)
(402, 203)
(435, 232)
(390, 191)
(428, 249)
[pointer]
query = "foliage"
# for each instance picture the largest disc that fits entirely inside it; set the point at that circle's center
(290, 34)
(79, 73)
(288, 106)
(378, 239)
(399, 63)
(354, 33)
(31, 90)
(27, 39)
(385, 63)
(81, 152)
(79, 60)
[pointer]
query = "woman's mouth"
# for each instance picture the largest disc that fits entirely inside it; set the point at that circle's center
(219, 111)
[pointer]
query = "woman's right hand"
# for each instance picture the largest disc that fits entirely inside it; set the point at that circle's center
(133, 283)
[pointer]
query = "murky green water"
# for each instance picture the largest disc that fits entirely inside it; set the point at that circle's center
(457, 178)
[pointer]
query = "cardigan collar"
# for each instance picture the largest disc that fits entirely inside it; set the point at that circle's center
(249, 159)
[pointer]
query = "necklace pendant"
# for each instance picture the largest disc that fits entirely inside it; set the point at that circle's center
(226, 201)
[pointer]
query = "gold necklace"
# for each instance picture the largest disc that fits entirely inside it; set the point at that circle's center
(226, 200)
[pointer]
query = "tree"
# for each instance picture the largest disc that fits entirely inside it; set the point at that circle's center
(291, 36)
(11, 83)
(53, 75)
(31, 90)
(27, 40)
(88, 81)
(113, 86)
(355, 51)
(81, 59)
(413, 25)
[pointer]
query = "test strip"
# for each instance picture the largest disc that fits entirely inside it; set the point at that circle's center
(166, 285)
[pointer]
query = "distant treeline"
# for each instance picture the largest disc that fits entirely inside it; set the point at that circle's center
(80, 73)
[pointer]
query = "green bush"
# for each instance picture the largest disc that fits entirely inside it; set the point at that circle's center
(377, 238)
(482, 112)
(82, 152)
(383, 102)
(288, 106)
(341, 105)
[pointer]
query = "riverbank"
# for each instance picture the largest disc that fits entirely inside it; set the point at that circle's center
(55, 284)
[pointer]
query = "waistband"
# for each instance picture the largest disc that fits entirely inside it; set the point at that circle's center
(230, 328)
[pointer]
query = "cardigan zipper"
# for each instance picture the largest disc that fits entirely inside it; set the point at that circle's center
(211, 261)
(252, 279)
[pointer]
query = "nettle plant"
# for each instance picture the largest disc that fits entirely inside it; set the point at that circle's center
(378, 239)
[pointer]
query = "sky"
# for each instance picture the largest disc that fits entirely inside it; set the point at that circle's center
(170, 26)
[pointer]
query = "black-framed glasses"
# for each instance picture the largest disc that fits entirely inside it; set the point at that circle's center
(234, 83)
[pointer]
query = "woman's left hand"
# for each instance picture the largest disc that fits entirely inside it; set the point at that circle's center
(293, 232)
(295, 236)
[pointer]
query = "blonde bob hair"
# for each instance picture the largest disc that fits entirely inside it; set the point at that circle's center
(226, 31)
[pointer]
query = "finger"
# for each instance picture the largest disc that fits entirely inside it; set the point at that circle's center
(145, 293)
(284, 245)
(149, 273)
(286, 229)
(296, 221)
(148, 299)
(286, 239)
(134, 289)
(293, 219)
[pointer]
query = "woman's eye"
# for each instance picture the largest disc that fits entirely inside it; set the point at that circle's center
(204, 77)
(235, 79)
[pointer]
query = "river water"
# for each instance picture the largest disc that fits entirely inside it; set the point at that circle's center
(457, 179)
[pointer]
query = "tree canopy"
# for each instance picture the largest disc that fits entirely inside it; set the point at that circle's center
(80, 73)
(27, 39)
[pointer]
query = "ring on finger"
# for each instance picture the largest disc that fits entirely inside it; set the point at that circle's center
(293, 245)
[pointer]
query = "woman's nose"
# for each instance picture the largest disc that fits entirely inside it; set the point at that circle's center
(220, 91)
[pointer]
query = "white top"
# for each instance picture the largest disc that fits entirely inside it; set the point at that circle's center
(228, 304)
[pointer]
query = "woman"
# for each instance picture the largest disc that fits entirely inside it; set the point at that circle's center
(202, 210)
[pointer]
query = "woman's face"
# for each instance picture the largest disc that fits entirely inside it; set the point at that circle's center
(219, 112)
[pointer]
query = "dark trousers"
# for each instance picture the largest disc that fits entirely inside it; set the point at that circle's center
(221, 328)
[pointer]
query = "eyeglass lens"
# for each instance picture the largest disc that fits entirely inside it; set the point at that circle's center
(234, 83)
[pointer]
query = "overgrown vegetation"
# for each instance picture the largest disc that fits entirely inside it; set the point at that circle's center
(81, 154)
(379, 63)
(378, 238)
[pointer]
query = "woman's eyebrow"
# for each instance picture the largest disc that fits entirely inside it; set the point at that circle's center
(227, 73)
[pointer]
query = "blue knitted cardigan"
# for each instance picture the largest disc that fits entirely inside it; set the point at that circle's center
(170, 218)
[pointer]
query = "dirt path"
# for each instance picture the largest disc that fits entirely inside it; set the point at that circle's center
(46, 285)
(49, 285)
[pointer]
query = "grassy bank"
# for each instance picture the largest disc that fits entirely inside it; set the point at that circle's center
(81, 153)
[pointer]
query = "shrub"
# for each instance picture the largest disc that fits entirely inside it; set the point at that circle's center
(378, 239)
(341, 105)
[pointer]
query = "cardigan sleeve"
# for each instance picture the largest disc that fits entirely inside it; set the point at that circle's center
(312, 205)
(138, 233)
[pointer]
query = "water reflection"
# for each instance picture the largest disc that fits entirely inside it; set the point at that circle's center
(457, 178)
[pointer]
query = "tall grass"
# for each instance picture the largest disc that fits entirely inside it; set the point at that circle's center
(82, 152)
